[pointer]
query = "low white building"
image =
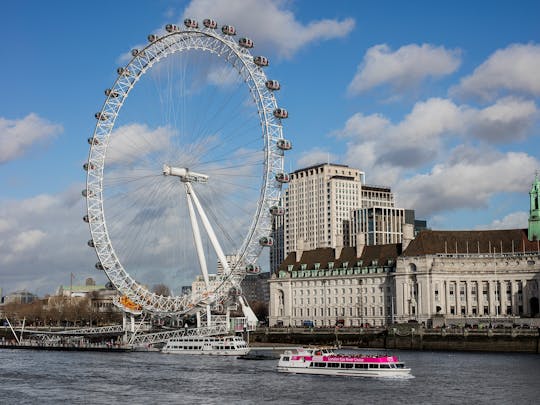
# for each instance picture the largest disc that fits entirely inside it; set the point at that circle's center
(326, 287)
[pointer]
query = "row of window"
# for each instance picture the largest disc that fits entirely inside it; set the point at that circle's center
(353, 365)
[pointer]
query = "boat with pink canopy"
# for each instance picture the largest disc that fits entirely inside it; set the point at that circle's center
(326, 362)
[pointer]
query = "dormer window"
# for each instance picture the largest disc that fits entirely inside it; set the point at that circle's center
(303, 266)
(374, 262)
(330, 265)
(317, 266)
(345, 265)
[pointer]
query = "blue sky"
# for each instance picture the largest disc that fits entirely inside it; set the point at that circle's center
(438, 100)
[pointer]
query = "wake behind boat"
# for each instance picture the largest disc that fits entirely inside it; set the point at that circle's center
(326, 362)
(213, 345)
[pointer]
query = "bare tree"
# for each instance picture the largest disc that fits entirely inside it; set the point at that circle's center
(161, 289)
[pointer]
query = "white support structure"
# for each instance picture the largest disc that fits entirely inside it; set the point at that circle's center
(208, 228)
(197, 236)
(152, 338)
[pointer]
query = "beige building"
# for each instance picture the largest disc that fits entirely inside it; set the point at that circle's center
(326, 286)
(318, 203)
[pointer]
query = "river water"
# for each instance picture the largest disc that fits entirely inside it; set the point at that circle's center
(43, 377)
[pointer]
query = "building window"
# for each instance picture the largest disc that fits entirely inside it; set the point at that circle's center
(452, 310)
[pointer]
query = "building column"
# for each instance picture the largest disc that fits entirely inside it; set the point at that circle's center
(492, 285)
(526, 309)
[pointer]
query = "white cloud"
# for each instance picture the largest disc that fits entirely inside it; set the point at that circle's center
(513, 69)
(17, 137)
(315, 156)
(467, 179)
(507, 120)
(27, 240)
(410, 143)
(420, 138)
(44, 240)
(514, 220)
(270, 24)
(132, 142)
(403, 68)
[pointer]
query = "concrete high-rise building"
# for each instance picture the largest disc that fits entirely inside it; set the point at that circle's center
(318, 203)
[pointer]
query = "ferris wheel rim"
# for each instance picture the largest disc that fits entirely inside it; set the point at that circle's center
(140, 63)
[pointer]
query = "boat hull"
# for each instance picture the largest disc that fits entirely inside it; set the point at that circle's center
(393, 373)
(238, 352)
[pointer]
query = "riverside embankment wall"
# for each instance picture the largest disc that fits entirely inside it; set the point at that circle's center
(524, 341)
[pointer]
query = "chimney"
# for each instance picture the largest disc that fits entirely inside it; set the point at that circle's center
(339, 246)
(408, 235)
(360, 243)
(299, 250)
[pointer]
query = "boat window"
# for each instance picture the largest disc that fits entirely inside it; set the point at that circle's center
(319, 365)
(360, 366)
(373, 366)
(385, 365)
(346, 365)
(334, 365)
(285, 359)
(400, 365)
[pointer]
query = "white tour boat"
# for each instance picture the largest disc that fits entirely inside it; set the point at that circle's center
(325, 361)
(215, 345)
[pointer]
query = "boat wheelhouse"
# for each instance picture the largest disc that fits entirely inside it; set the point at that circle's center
(326, 362)
(212, 345)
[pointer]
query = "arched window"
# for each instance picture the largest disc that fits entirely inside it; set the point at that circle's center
(412, 267)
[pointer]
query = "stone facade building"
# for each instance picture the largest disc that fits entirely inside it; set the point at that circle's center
(334, 286)
(468, 277)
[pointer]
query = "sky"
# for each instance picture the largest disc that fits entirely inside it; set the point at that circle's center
(438, 100)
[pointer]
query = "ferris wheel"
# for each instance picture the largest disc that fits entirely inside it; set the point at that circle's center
(189, 176)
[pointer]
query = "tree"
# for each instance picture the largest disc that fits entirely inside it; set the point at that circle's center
(161, 289)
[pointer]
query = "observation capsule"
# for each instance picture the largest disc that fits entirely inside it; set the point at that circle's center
(171, 28)
(283, 177)
(135, 52)
(209, 23)
(272, 85)
(261, 61)
(277, 211)
(111, 93)
(281, 113)
(245, 43)
(86, 219)
(122, 71)
(190, 23)
(266, 241)
(87, 166)
(252, 269)
(92, 141)
(101, 116)
(153, 38)
(284, 144)
(228, 30)
(99, 266)
(91, 243)
(87, 193)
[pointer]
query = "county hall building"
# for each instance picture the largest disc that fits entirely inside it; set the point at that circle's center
(435, 277)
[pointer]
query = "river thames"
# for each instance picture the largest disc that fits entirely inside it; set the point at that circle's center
(43, 377)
